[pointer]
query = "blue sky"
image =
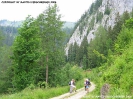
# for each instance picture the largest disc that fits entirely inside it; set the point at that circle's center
(71, 10)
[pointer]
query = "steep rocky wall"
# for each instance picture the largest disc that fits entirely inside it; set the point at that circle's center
(107, 20)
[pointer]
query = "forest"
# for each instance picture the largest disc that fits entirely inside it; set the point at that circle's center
(35, 57)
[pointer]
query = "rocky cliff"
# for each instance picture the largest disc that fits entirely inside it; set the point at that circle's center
(104, 15)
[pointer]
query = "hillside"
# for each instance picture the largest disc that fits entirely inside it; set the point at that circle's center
(19, 23)
(102, 43)
(69, 24)
(10, 23)
(114, 78)
(101, 12)
(10, 30)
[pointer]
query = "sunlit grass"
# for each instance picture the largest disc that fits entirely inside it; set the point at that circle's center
(39, 93)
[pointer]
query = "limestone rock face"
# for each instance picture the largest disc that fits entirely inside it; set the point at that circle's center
(115, 6)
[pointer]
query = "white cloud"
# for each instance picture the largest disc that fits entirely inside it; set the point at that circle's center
(71, 10)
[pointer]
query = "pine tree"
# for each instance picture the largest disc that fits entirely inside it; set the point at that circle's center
(70, 53)
(132, 13)
(117, 27)
(97, 49)
(52, 40)
(1, 38)
(25, 54)
(125, 16)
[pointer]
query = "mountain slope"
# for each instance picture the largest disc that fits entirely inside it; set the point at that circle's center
(117, 73)
(10, 29)
(101, 12)
(10, 23)
(69, 24)
(19, 23)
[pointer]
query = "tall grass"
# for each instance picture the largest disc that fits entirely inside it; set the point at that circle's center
(39, 93)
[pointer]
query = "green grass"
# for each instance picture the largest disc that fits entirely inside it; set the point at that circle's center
(118, 73)
(39, 93)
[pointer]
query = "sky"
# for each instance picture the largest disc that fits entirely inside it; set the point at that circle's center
(71, 10)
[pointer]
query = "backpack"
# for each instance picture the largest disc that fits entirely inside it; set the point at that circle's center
(88, 83)
(70, 83)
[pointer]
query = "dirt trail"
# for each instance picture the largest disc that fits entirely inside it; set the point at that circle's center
(76, 95)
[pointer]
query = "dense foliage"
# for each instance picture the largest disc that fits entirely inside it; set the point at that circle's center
(117, 71)
(25, 54)
(37, 56)
(96, 52)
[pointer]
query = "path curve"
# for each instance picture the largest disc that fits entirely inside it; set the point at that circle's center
(76, 95)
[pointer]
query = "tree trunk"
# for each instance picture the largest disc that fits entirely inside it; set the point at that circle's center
(47, 71)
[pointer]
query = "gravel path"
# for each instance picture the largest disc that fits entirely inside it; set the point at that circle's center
(76, 95)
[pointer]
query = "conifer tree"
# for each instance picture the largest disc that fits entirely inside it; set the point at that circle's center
(98, 48)
(25, 54)
(52, 40)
